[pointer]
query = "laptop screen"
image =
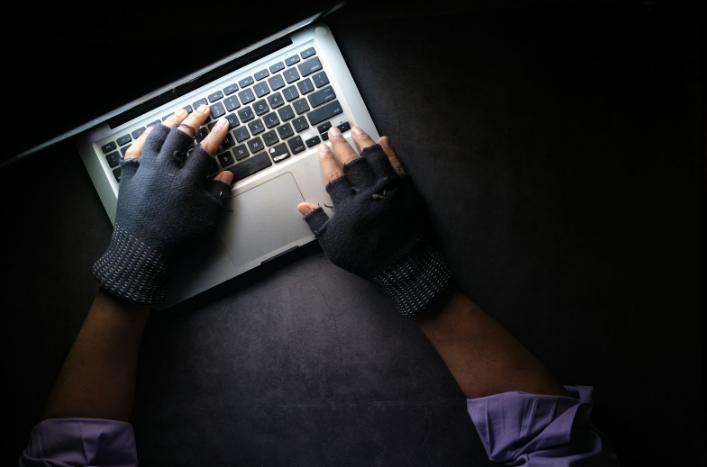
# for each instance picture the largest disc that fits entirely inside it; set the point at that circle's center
(90, 64)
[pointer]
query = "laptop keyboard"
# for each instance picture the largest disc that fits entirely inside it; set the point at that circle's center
(266, 111)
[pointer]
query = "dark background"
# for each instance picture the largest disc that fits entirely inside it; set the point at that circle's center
(560, 148)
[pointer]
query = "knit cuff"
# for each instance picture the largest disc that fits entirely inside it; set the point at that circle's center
(132, 270)
(415, 280)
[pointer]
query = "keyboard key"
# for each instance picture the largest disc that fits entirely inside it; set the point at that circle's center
(113, 158)
(320, 79)
(232, 103)
(200, 102)
(310, 66)
(241, 152)
(261, 107)
(271, 120)
(225, 158)
(270, 137)
(167, 116)
(124, 149)
(300, 106)
(296, 145)
(136, 134)
(276, 100)
(156, 122)
(324, 112)
(230, 89)
(246, 82)
(217, 110)
(300, 124)
(323, 95)
(211, 125)
(116, 174)
(291, 75)
(277, 67)
(292, 60)
(123, 140)
(228, 141)
(261, 75)
(215, 96)
(201, 134)
(232, 120)
(276, 82)
(246, 114)
(325, 136)
(290, 93)
(246, 96)
(305, 86)
(249, 167)
(279, 153)
(286, 113)
(324, 127)
(241, 134)
(188, 108)
(344, 127)
(256, 127)
(285, 131)
(255, 145)
(313, 141)
(308, 53)
(261, 89)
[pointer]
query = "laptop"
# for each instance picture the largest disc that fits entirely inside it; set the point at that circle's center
(280, 95)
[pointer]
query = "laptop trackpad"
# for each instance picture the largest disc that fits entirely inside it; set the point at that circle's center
(264, 222)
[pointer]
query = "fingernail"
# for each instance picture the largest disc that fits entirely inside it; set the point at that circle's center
(323, 148)
(356, 131)
(334, 131)
(203, 108)
(222, 122)
(305, 209)
(180, 112)
(385, 142)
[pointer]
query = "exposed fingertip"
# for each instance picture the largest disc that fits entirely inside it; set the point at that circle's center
(323, 148)
(357, 131)
(305, 208)
(385, 142)
(180, 112)
(225, 177)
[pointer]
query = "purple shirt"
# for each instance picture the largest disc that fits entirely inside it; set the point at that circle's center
(516, 428)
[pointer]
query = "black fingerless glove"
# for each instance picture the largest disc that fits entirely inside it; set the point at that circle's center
(377, 232)
(166, 201)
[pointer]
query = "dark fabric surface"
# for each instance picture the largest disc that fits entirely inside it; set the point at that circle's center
(561, 171)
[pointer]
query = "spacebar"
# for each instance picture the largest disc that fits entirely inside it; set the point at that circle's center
(324, 113)
(250, 166)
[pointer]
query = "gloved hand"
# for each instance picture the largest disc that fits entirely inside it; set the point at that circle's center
(377, 228)
(166, 201)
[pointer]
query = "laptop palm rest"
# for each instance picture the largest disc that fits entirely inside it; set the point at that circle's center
(264, 222)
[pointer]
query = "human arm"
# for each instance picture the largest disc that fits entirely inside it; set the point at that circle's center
(522, 413)
(85, 419)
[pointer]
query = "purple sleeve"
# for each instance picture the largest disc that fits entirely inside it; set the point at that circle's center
(64, 442)
(522, 429)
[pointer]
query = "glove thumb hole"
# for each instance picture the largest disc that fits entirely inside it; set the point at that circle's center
(316, 220)
(219, 191)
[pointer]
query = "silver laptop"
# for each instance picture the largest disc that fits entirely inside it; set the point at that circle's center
(280, 107)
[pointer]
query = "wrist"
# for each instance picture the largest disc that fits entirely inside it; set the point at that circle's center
(132, 270)
(416, 280)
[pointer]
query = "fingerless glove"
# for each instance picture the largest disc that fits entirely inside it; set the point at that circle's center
(377, 232)
(166, 201)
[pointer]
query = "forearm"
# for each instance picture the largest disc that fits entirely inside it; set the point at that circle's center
(483, 357)
(98, 376)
